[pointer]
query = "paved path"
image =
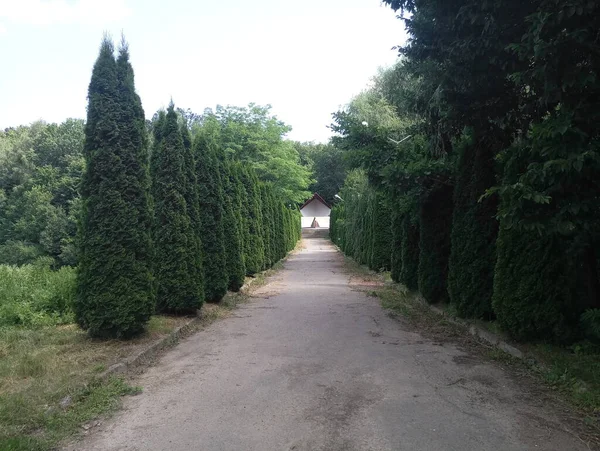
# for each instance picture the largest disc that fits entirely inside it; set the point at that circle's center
(313, 365)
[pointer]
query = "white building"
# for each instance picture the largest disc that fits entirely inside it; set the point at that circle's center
(315, 212)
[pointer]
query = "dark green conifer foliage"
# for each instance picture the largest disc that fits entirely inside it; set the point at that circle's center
(210, 192)
(177, 266)
(115, 284)
(534, 296)
(474, 231)
(279, 212)
(409, 272)
(254, 245)
(397, 219)
(233, 223)
(267, 228)
(382, 234)
(434, 245)
(192, 201)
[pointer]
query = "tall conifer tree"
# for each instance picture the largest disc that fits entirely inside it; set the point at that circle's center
(192, 201)
(210, 194)
(232, 223)
(114, 293)
(178, 288)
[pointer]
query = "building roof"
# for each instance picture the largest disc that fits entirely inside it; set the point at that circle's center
(317, 198)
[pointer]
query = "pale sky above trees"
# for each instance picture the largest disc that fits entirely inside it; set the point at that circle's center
(305, 58)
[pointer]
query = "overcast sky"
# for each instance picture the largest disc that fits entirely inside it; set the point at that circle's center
(305, 58)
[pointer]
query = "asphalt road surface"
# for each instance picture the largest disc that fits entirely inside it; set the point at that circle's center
(310, 364)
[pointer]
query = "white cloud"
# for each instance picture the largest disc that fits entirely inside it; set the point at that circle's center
(47, 12)
(2, 29)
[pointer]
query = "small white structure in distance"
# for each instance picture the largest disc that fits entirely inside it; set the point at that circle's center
(315, 212)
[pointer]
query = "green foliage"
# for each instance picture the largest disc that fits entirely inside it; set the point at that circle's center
(473, 235)
(233, 223)
(34, 295)
(434, 244)
(534, 287)
(210, 192)
(381, 232)
(361, 224)
(254, 248)
(255, 137)
(192, 201)
(115, 295)
(40, 171)
(590, 322)
(176, 268)
(397, 236)
(410, 251)
(328, 166)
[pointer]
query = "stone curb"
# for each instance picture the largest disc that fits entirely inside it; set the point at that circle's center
(169, 340)
(481, 333)
(151, 351)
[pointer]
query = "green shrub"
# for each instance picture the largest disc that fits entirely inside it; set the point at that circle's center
(115, 296)
(409, 272)
(233, 223)
(434, 244)
(534, 293)
(210, 192)
(590, 323)
(34, 295)
(19, 253)
(474, 231)
(254, 251)
(176, 243)
(381, 234)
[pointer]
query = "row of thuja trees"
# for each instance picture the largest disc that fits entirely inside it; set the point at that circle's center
(169, 220)
(479, 157)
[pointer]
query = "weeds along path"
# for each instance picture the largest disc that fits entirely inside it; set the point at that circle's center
(314, 363)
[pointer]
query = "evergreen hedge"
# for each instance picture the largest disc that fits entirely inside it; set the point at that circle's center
(233, 223)
(176, 240)
(409, 272)
(210, 192)
(381, 230)
(534, 295)
(473, 235)
(115, 282)
(434, 243)
(254, 245)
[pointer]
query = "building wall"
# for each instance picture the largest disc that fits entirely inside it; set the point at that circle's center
(322, 220)
(315, 209)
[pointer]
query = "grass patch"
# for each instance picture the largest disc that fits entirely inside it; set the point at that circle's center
(36, 296)
(44, 366)
(574, 370)
(49, 383)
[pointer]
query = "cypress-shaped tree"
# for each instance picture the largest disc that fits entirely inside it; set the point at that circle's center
(192, 201)
(474, 231)
(267, 226)
(397, 219)
(176, 241)
(278, 212)
(434, 244)
(115, 283)
(254, 245)
(409, 272)
(210, 193)
(382, 233)
(232, 222)
(535, 294)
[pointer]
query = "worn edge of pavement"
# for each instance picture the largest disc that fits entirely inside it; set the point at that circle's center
(174, 336)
